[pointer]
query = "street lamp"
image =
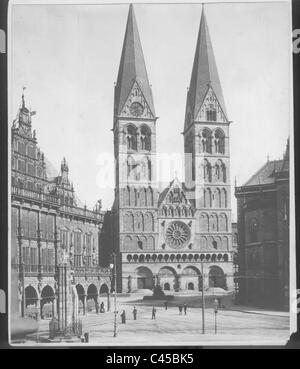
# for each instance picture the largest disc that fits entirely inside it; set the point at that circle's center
(112, 266)
(216, 304)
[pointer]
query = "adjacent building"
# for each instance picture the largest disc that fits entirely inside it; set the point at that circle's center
(263, 235)
(48, 227)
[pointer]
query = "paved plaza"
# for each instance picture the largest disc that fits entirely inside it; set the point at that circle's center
(236, 325)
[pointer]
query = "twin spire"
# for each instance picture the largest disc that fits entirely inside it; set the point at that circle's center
(132, 70)
(204, 73)
(132, 67)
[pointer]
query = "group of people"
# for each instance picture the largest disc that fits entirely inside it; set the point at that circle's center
(134, 312)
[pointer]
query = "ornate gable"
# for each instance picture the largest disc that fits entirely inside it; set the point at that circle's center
(174, 195)
(211, 103)
(136, 105)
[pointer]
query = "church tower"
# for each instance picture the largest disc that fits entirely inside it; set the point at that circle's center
(135, 155)
(206, 146)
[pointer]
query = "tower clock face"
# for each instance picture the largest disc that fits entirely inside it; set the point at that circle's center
(136, 109)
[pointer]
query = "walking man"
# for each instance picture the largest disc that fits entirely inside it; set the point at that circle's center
(180, 309)
(166, 305)
(134, 312)
(185, 308)
(153, 313)
(123, 317)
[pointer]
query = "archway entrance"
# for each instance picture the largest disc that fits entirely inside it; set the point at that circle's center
(191, 278)
(167, 276)
(47, 302)
(144, 278)
(81, 298)
(104, 292)
(217, 278)
(92, 295)
(31, 299)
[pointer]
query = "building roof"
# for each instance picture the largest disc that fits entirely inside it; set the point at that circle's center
(266, 174)
(132, 67)
(204, 73)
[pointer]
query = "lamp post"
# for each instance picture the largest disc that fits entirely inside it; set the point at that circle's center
(113, 268)
(216, 304)
(203, 300)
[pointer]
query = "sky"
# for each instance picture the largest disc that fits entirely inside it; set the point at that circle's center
(68, 56)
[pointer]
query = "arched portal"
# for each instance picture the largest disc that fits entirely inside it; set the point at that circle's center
(47, 302)
(81, 297)
(104, 292)
(191, 278)
(167, 275)
(31, 299)
(217, 277)
(91, 297)
(144, 278)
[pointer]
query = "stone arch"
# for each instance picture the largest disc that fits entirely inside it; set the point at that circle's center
(129, 222)
(81, 297)
(207, 198)
(225, 243)
(104, 292)
(144, 278)
(213, 222)
(203, 242)
(31, 296)
(217, 278)
(138, 222)
(205, 143)
(149, 222)
(91, 297)
(223, 198)
(191, 275)
(167, 274)
(219, 141)
(127, 242)
(145, 138)
(47, 300)
(131, 136)
(207, 170)
(149, 196)
(217, 198)
(223, 223)
(204, 222)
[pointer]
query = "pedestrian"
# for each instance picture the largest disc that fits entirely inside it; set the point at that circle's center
(134, 312)
(180, 309)
(166, 305)
(153, 312)
(102, 310)
(185, 308)
(123, 317)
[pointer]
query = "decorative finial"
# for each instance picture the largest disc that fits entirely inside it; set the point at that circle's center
(23, 99)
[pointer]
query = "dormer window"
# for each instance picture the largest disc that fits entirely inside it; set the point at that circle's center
(211, 114)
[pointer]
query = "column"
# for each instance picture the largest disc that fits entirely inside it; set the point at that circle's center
(38, 308)
(54, 308)
(108, 301)
(84, 304)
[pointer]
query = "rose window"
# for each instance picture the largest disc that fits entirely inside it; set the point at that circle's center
(177, 234)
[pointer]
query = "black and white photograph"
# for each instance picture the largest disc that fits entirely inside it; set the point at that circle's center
(150, 173)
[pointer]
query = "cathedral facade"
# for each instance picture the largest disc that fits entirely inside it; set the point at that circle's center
(179, 238)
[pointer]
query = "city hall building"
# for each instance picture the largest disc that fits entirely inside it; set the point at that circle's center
(171, 237)
(48, 228)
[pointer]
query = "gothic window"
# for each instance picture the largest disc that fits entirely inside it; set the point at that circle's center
(207, 198)
(223, 173)
(217, 198)
(131, 138)
(64, 238)
(217, 172)
(206, 140)
(77, 248)
(215, 244)
(207, 171)
(150, 196)
(213, 224)
(223, 198)
(219, 141)
(145, 138)
(140, 245)
(204, 226)
(211, 113)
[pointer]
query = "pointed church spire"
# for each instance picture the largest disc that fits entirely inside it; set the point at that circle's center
(204, 73)
(132, 67)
